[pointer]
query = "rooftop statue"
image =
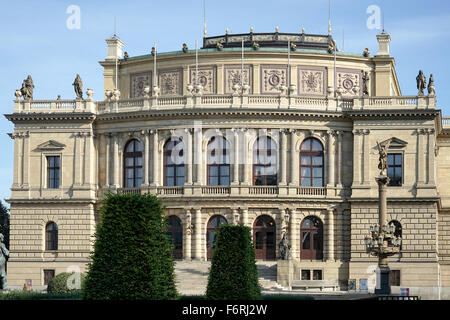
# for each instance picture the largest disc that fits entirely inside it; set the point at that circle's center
(383, 165)
(4, 255)
(431, 91)
(185, 48)
(421, 82)
(27, 88)
(78, 86)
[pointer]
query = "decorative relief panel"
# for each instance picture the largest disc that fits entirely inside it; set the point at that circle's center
(138, 81)
(272, 77)
(206, 77)
(312, 80)
(349, 79)
(171, 82)
(232, 76)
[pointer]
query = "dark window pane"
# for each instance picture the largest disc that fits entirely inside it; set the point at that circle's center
(317, 274)
(170, 181)
(306, 275)
(180, 181)
(306, 240)
(259, 238)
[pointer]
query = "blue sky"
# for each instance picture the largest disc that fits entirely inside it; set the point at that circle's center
(35, 40)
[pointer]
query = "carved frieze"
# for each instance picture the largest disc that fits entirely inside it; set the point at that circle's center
(272, 78)
(171, 82)
(232, 76)
(350, 81)
(138, 81)
(312, 80)
(206, 77)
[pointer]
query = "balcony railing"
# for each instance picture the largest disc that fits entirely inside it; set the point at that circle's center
(446, 122)
(216, 190)
(312, 191)
(255, 101)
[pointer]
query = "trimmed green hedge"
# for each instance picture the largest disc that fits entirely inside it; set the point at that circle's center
(58, 285)
(34, 295)
(233, 273)
(132, 256)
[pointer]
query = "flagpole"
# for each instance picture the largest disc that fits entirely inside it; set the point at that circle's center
(196, 62)
(242, 65)
(154, 67)
(289, 63)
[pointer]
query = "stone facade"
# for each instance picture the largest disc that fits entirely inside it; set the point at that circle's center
(90, 139)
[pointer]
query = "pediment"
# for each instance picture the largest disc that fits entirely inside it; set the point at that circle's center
(51, 145)
(396, 143)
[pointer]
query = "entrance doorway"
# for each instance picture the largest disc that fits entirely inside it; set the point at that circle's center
(175, 236)
(211, 233)
(264, 236)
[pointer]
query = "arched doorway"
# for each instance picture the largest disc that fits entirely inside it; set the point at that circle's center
(211, 233)
(264, 236)
(311, 239)
(175, 235)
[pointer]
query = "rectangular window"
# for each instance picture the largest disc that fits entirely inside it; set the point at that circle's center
(53, 172)
(48, 276)
(317, 274)
(394, 278)
(395, 169)
(306, 275)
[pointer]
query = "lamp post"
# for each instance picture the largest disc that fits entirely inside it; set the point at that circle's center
(382, 241)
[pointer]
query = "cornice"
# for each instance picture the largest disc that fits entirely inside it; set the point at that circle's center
(391, 113)
(82, 117)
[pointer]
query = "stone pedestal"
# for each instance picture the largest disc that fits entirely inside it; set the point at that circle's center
(383, 285)
(285, 273)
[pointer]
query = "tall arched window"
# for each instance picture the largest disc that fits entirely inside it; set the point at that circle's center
(218, 162)
(311, 163)
(175, 235)
(174, 169)
(211, 233)
(311, 239)
(51, 236)
(264, 162)
(132, 157)
(264, 235)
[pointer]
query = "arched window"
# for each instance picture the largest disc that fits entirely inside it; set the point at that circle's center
(174, 162)
(311, 239)
(264, 235)
(218, 162)
(175, 235)
(264, 162)
(51, 236)
(132, 157)
(211, 233)
(311, 163)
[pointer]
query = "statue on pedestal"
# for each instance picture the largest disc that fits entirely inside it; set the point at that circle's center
(27, 88)
(284, 248)
(78, 86)
(431, 90)
(365, 79)
(382, 165)
(421, 82)
(4, 255)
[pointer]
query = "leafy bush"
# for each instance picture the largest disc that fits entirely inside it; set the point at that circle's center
(233, 273)
(33, 295)
(132, 256)
(59, 283)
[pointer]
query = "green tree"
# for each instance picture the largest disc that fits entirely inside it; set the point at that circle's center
(233, 273)
(4, 223)
(132, 257)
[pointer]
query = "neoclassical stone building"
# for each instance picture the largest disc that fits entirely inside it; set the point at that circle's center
(283, 141)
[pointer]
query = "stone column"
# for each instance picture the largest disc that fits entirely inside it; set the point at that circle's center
(116, 165)
(198, 161)
(236, 158)
(77, 159)
(26, 159)
(366, 157)
(283, 151)
(107, 158)
(17, 155)
(245, 161)
(244, 217)
(188, 156)
(330, 234)
(294, 179)
(293, 233)
(198, 234)
(331, 161)
(146, 157)
(420, 156)
(88, 158)
(431, 141)
(156, 159)
(357, 157)
(187, 235)
(339, 156)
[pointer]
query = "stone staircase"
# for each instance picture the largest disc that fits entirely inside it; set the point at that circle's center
(191, 277)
